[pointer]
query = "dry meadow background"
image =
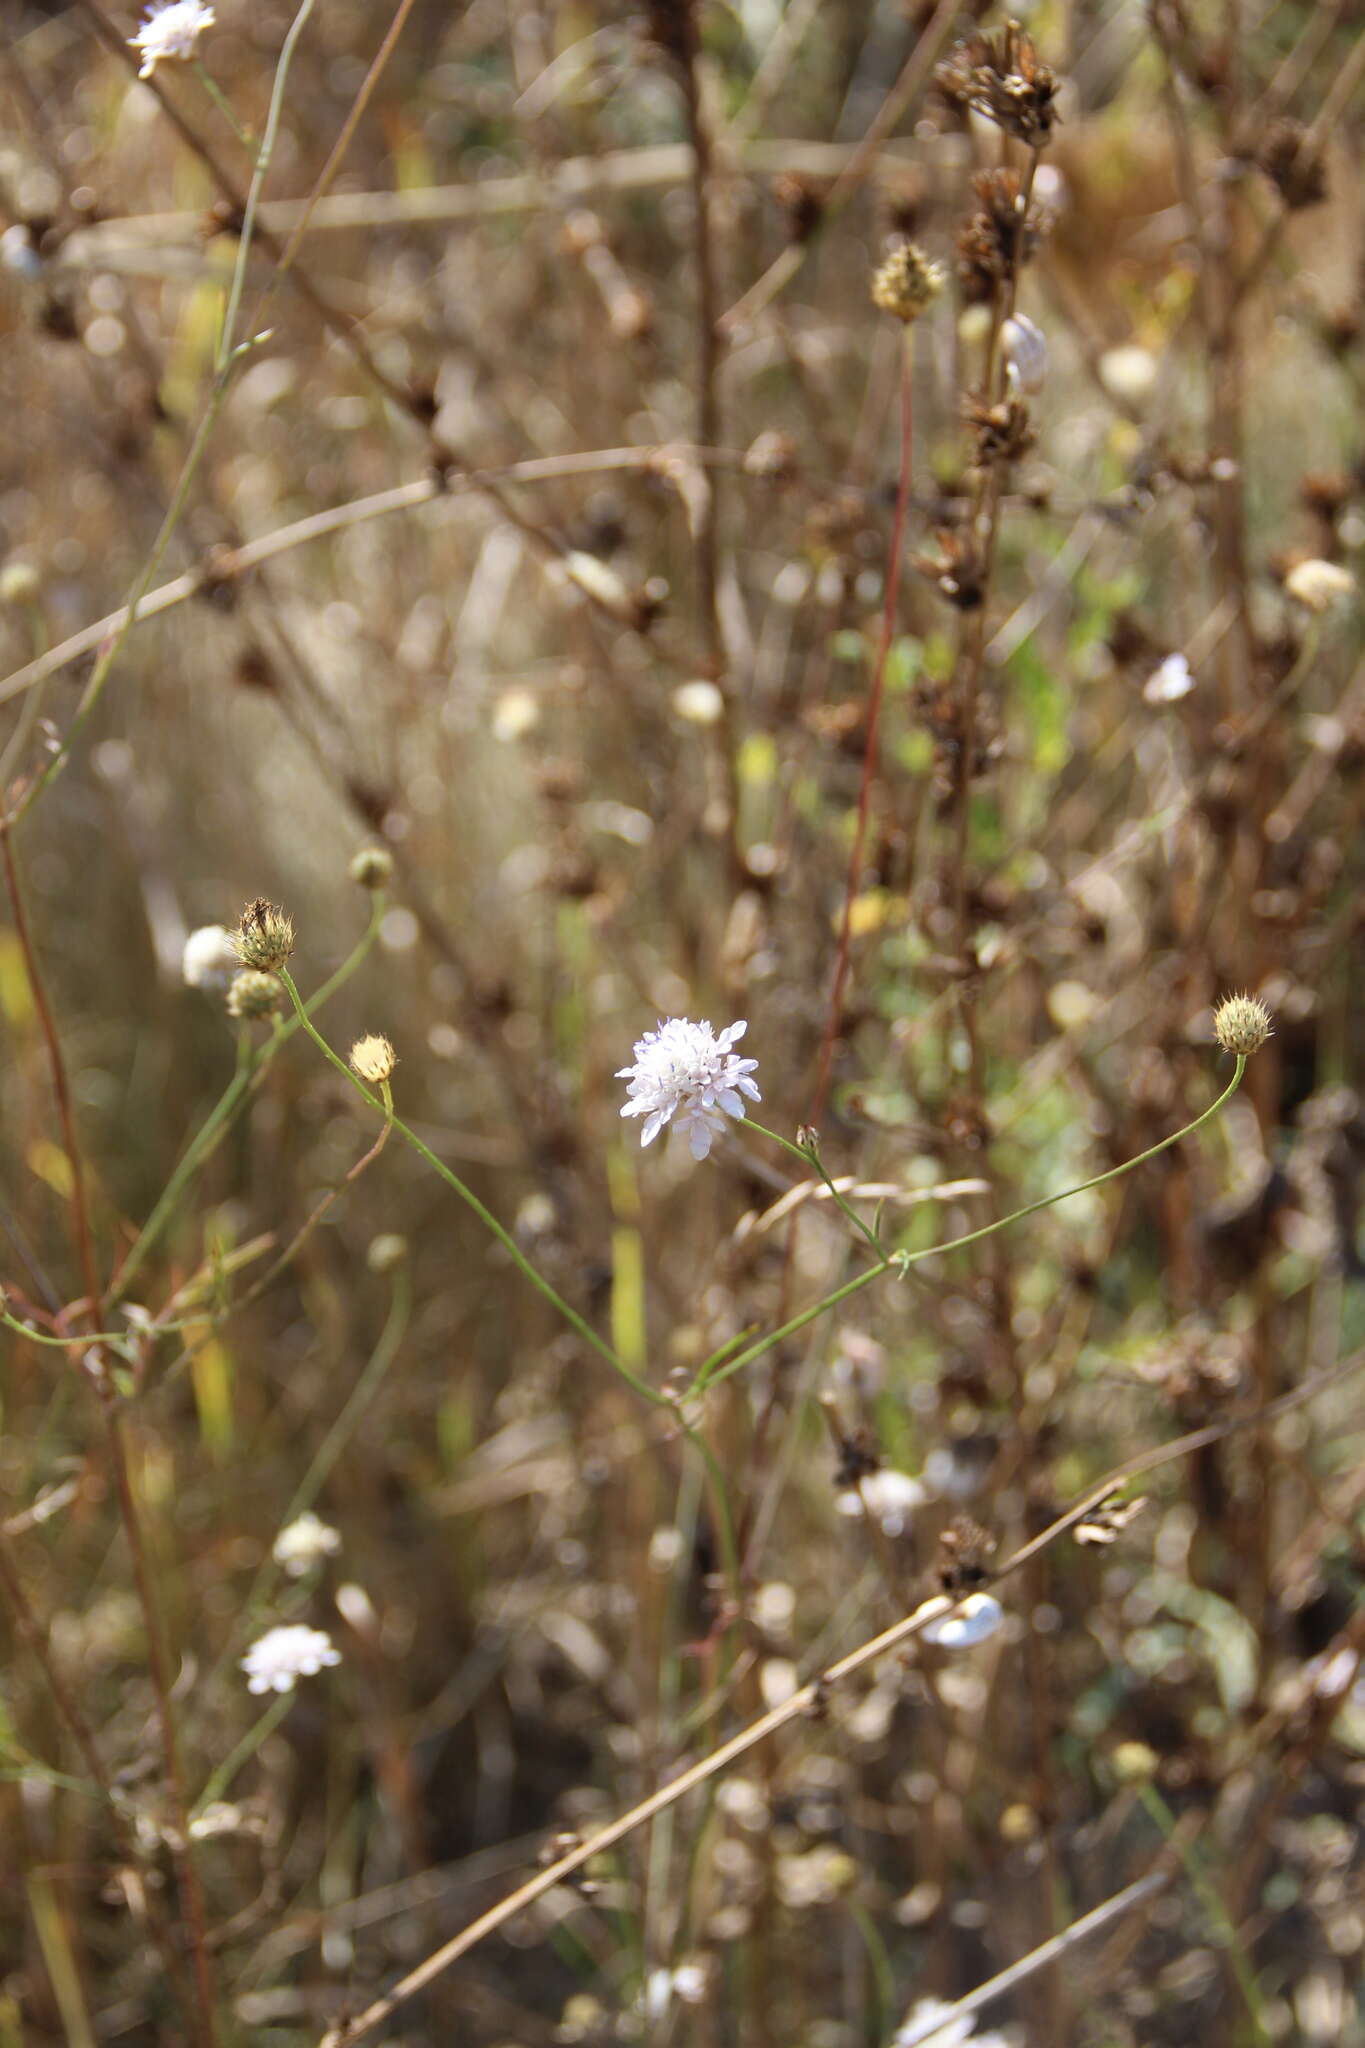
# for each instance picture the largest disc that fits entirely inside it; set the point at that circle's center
(538, 532)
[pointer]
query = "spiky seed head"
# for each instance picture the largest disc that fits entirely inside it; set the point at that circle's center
(373, 1058)
(254, 994)
(1241, 1024)
(907, 282)
(264, 937)
(372, 867)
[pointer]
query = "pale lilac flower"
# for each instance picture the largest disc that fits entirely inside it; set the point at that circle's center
(286, 1654)
(171, 31)
(979, 1616)
(304, 1544)
(1170, 682)
(1025, 348)
(685, 1070)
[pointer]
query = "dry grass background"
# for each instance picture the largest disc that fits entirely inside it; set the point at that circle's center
(600, 681)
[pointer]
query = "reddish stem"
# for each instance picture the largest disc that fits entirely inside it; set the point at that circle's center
(874, 707)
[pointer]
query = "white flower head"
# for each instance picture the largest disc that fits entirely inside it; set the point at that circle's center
(1319, 585)
(210, 960)
(304, 1544)
(285, 1655)
(688, 1071)
(890, 1497)
(1170, 682)
(953, 2030)
(978, 1616)
(1025, 354)
(171, 31)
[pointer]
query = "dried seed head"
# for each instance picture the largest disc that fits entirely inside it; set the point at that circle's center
(265, 937)
(1241, 1024)
(1293, 164)
(373, 1058)
(254, 994)
(907, 282)
(372, 867)
(1001, 76)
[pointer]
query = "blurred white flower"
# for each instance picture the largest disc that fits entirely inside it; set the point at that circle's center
(918, 2030)
(1128, 372)
(1319, 585)
(686, 1070)
(210, 960)
(304, 1544)
(890, 1497)
(1169, 683)
(979, 1616)
(1025, 354)
(171, 31)
(286, 1654)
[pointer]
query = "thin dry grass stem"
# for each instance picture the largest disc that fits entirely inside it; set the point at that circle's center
(1045, 1956)
(856, 171)
(809, 1698)
(895, 555)
(187, 1878)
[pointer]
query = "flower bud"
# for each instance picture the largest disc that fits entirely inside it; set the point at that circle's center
(372, 867)
(254, 995)
(1241, 1024)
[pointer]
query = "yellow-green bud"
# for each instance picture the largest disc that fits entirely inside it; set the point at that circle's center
(372, 867)
(254, 994)
(386, 1251)
(1241, 1024)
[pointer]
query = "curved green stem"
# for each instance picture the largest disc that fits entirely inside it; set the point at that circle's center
(246, 1748)
(810, 1155)
(901, 1261)
(251, 1069)
(485, 1215)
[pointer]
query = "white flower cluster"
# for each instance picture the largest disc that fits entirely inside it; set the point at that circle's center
(171, 31)
(286, 1654)
(688, 1072)
(303, 1545)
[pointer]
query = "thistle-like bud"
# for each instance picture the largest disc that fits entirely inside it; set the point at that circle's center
(264, 937)
(373, 1058)
(372, 867)
(254, 994)
(907, 282)
(1241, 1024)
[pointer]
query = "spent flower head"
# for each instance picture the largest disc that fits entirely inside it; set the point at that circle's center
(171, 31)
(1002, 77)
(688, 1071)
(373, 1058)
(286, 1654)
(265, 937)
(907, 282)
(1241, 1024)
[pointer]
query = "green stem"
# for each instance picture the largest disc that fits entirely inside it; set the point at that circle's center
(810, 1154)
(248, 1077)
(471, 1200)
(246, 1748)
(258, 178)
(901, 1261)
(1207, 1894)
(223, 104)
